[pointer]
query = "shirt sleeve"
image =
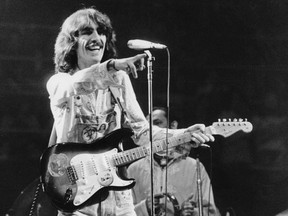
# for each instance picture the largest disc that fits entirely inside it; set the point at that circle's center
(95, 77)
(136, 118)
(63, 85)
(59, 88)
(207, 191)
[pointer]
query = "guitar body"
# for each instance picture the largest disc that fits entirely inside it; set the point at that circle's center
(74, 175)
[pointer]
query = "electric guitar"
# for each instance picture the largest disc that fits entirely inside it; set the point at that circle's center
(74, 175)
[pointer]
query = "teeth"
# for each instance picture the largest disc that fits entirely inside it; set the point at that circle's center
(93, 45)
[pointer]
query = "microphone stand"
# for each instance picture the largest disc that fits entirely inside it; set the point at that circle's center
(150, 58)
(199, 188)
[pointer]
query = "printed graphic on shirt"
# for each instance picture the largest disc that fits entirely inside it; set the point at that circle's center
(123, 198)
(89, 132)
(94, 120)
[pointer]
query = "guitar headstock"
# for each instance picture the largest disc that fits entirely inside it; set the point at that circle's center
(228, 127)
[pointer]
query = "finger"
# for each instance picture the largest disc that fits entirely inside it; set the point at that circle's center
(188, 209)
(139, 56)
(140, 65)
(187, 212)
(212, 138)
(188, 205)
(197, 127)
(190, 197)
(201, 127)
(205, 137)
(133, 70)
(197, 138)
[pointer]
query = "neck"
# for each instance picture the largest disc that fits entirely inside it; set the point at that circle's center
(162, 160)
(85, 64)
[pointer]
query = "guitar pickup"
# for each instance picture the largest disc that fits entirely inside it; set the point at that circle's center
(72, 175)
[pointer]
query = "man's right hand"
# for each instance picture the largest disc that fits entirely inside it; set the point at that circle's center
(156, 202)
(188, 207)
(131, 65)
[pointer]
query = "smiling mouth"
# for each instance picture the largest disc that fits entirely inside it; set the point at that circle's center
(93, 45)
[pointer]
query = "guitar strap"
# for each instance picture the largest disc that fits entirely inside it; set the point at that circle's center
(115, 92)
(53, 137)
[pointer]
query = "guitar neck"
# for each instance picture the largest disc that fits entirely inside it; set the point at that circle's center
(126, 157)
(223, 128)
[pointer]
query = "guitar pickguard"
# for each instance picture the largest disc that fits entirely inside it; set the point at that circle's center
(94, 172)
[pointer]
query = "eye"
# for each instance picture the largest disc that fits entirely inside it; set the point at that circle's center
(157, 122)
(101, 31)
(86, 31)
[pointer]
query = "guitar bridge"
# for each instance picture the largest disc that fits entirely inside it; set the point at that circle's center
(72, 175)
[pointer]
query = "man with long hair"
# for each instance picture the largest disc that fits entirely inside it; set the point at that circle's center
(92, 88)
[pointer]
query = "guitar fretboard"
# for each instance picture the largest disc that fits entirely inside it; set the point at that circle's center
(126, 157)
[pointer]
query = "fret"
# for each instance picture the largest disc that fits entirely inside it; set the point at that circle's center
(176, 140)
(137, 153)
(144, 153)
(134, 155)
(156, 146)
(126, 156)
(116, 159)
(130, 156)
(121, 158)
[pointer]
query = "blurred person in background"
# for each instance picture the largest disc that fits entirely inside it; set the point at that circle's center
(181, 178)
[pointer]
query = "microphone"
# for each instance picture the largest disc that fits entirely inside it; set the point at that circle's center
(138, 44)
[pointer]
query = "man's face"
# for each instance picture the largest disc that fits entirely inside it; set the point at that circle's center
(91, 46)
(159, 118)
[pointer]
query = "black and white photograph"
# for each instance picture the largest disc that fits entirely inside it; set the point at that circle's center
(144, 108)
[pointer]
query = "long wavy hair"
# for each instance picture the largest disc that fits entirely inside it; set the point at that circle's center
(65, 56)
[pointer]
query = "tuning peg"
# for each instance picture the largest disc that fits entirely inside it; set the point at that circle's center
(224, 119)
(235, 120)
(240, 120)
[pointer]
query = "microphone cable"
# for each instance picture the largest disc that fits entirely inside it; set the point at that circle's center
(168, 121)
(210, 185)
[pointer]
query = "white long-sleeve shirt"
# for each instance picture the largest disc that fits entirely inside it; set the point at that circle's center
(83, 99)
(84, 110)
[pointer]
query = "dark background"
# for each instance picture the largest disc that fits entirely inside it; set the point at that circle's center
(228, 60)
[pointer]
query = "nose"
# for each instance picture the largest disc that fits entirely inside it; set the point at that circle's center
(95, 34)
